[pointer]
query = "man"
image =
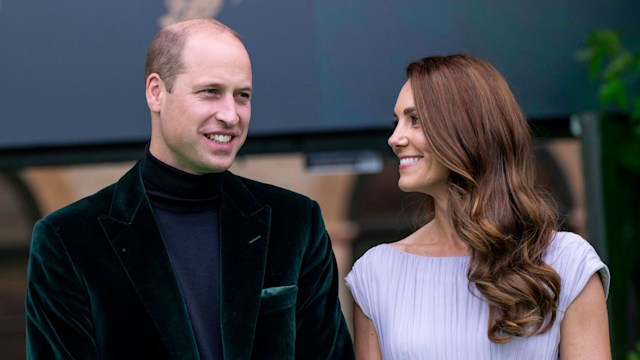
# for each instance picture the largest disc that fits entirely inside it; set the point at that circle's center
(180, 258)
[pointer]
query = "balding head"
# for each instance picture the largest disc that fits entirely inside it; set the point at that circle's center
(164, 55)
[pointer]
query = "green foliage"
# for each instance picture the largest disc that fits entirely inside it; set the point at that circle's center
(617, 70)
(635, 353)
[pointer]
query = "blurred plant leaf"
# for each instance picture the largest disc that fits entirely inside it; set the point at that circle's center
(634, 354)
(635, 111)
(617, 70)
(613, 92)
(601, 44)
(621, 63)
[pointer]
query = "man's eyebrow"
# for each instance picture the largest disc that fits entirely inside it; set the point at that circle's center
(221, 87)
(246, 88)
(205, 84)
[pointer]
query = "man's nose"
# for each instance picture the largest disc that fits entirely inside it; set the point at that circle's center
(226, 111)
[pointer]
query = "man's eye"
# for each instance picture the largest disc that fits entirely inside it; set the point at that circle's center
(210, 91)
(244, 95)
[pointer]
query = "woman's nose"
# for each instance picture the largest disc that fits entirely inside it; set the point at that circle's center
(398, 138)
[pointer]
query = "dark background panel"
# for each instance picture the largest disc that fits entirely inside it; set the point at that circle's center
(71, 70)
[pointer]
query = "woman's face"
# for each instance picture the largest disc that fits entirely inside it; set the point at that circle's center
(419, 170)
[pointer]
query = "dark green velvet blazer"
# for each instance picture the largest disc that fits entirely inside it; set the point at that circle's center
(101, 285)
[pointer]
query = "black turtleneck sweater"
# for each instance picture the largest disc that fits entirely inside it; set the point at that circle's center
(186, 208)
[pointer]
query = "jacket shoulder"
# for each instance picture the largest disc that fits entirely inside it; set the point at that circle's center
(99, 203)
(272, 194)
(85, 208)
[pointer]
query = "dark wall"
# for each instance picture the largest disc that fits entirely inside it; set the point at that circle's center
(71, 71)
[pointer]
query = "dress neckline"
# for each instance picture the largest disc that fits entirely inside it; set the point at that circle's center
(425, 256)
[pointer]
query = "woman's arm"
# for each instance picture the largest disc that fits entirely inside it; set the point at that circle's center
(584, 332)
(365, 337)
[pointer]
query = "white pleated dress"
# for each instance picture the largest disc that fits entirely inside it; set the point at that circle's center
(423, 307)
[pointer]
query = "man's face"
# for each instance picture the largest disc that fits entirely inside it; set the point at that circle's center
(200, 126)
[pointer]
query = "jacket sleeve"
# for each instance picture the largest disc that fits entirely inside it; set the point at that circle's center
(322, 332)
(58, 316)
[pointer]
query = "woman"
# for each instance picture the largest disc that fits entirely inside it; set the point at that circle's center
(488, 276)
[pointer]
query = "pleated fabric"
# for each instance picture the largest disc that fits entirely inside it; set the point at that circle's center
(424, 307)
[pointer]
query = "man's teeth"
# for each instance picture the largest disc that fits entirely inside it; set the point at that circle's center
(409, 160)
(219, 138)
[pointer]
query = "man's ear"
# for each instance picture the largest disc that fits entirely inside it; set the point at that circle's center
(154, 92)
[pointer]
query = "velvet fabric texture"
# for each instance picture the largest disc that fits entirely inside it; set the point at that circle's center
(101, 285)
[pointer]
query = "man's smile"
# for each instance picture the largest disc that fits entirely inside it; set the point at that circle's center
(219, 138)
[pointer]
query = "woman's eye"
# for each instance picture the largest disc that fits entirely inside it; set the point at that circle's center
(395, 123)
(415, 120)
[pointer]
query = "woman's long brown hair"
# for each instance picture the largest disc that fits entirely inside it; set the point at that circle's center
(476, 129)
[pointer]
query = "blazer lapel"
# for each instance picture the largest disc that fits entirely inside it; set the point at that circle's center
(244, 235)
(136, 240)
